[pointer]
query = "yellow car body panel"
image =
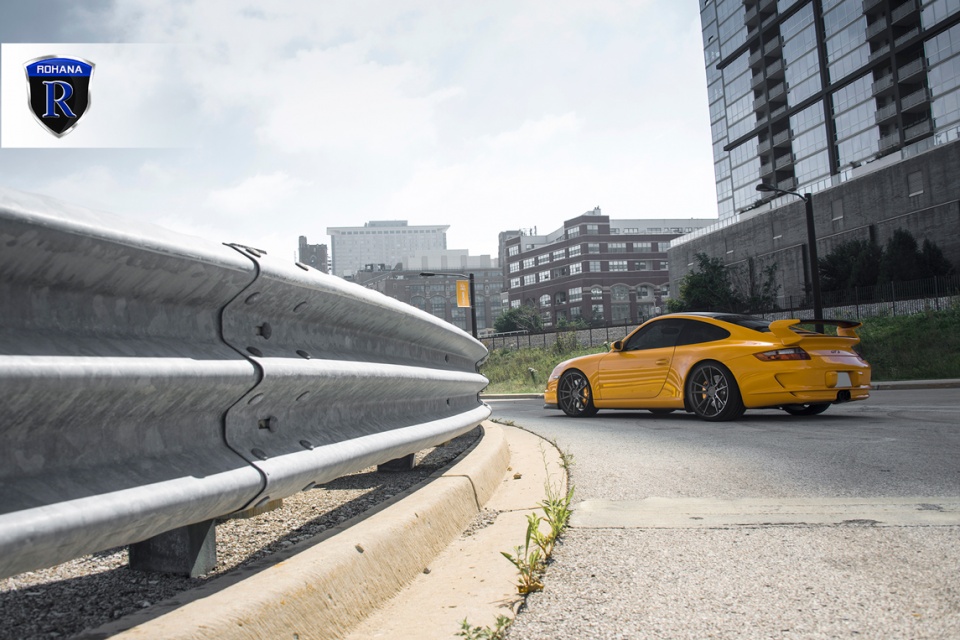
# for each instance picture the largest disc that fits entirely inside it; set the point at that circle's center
(656, 378)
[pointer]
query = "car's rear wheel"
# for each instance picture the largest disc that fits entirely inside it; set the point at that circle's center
(713, 393)
(806, 409)
(574, 395)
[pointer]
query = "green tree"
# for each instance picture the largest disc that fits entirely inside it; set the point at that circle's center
(901, 258)
(855, 263)
(524, 318)
(706, 288)
(762, 296)
(933, 262)
(572, 325)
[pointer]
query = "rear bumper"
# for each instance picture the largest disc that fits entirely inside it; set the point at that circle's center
(806, 396)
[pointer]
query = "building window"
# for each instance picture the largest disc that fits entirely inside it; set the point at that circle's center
(620, 313)
(574, 251)
(514, 267)
(528, 263)
(596, 293)
(593, 266)
(643, 291)
(544, 276)
(640, 265)
(419, 302)
(530, 279)
(597, 311)
(644, 247)
(593, 229)
(620, 293)
(576, 294)
(573, 232)
(513, 250)
(545, 300)
(576, 267)
(593, 247)
(616, 247)
(836, 209)
(560, 297)
(544, 259)
(574, 312)
(514, 304)
(514, 283)
(438, 307)
(664, 265)
(560, 272)
(558, 254)
(915, 183)
(618, 265)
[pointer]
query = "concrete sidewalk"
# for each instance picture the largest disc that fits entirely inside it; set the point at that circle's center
(416, 567)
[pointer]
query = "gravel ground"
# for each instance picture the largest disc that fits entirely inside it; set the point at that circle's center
(751, 582)
(64, 600)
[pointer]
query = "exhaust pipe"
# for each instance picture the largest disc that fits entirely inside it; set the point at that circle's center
(843, 396)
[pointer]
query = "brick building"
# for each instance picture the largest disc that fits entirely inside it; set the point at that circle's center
(593, 268)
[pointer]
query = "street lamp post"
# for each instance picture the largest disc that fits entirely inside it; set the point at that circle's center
(473, 305)
(811, 248)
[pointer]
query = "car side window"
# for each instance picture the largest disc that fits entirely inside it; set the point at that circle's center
(654, 336)
(696, 332)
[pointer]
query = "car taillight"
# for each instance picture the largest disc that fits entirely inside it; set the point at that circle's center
(793, 353)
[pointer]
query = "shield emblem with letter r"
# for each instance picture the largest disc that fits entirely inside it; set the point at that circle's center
(58, 91)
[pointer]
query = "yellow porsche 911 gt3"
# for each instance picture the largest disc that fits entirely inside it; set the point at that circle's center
(716, 365)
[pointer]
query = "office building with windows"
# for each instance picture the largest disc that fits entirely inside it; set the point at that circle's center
(381, 242)
(804, 92)
(602, 271)
(856, 102)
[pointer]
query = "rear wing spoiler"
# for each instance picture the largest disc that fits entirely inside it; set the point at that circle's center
(782, 329)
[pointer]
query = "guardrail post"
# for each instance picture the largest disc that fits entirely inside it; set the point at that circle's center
(189, 551)
(405, 463)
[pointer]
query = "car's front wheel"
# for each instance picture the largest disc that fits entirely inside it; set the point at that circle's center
(574, 395)
(713, 393)
(806, 409)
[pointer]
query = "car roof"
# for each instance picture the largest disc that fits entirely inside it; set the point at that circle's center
(739, 319)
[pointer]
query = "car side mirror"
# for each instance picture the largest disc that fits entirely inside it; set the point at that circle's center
(617, 346)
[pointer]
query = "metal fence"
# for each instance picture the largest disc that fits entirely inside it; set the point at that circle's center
(889, 299)
(151, 381)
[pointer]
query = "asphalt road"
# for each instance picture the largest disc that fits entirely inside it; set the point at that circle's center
(845, 524)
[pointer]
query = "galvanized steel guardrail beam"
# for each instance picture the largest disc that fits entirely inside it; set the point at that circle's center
(150, 381)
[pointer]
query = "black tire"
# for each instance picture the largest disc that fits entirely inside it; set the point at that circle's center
(713, 393)
(574, 395)
(661, 412)
(806, 409)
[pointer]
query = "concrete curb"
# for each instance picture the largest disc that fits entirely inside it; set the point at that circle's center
(319, 593)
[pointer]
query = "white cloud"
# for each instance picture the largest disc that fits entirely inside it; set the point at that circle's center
(532, 134)
(485, 116)
(259, 194)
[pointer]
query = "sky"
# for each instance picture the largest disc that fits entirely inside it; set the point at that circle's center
(257, 122)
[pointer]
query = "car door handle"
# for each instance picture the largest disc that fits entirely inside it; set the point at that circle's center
(662, 361)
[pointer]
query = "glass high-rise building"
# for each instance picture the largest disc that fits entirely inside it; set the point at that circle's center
(803, 92)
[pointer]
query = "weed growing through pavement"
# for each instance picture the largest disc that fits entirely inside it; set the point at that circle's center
(530, 560)
(484, 633)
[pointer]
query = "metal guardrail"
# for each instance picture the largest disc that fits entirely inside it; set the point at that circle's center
(150, 381)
